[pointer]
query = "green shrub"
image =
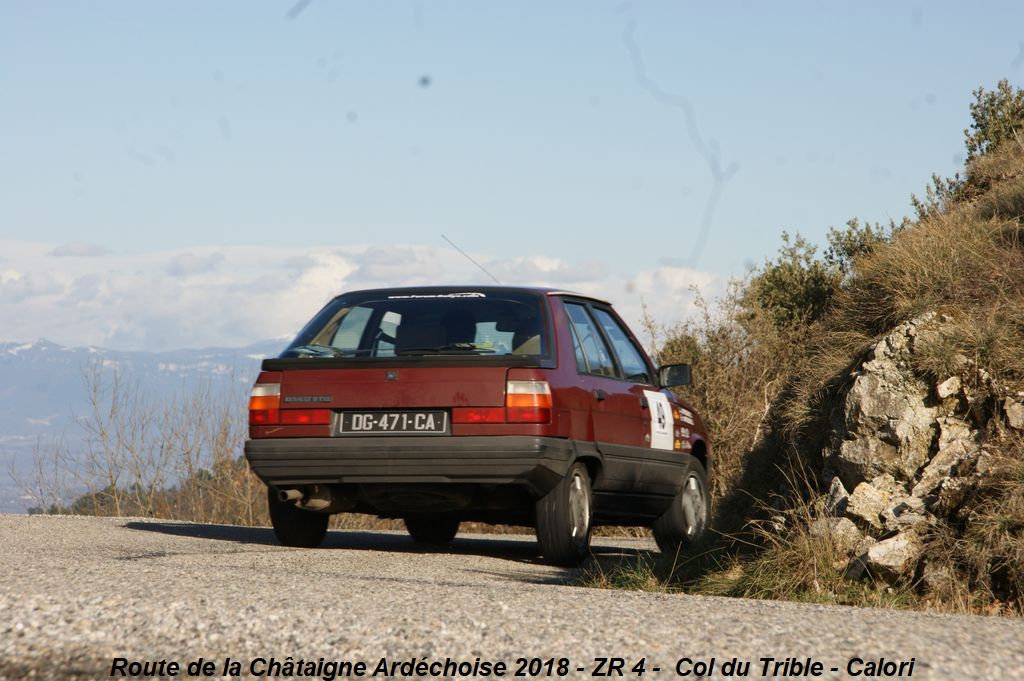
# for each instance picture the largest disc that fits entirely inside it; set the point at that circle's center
(996, 117)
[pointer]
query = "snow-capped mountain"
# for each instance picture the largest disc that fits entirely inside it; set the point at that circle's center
(43, 389)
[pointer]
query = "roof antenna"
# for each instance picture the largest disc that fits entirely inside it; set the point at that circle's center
(471, 259)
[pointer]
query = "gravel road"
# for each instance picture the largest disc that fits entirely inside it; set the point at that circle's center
(76, 593)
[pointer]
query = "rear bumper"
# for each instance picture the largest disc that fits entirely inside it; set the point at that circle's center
(537, 463)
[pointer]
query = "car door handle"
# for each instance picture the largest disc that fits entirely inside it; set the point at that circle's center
(600, 395)
(644, 404)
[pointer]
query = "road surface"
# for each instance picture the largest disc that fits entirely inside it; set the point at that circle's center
(80, 596)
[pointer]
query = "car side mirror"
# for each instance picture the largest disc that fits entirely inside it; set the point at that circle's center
(672, 375)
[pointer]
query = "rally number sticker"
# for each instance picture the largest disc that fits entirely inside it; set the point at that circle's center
(662, 423)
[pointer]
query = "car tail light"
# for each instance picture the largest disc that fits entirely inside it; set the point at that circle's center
(478, 415)
(528, 401)
(310, 417)
(265, 404)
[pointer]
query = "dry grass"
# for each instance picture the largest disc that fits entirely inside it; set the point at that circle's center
(771, 399)
(966, 263)
(978, 557)
(642, 573)
(792, 561)
(739, 364)
(176, 457)
(990, 551)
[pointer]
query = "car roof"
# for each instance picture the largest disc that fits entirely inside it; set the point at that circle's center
(472, 288)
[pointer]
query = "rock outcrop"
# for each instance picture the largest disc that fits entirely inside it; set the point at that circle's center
(911, 450)
(889, 416)
(894, 558)
(842, 531)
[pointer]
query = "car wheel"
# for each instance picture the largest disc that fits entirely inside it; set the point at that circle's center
(294, 526)
(432, 528)
(687, 518)
(563, 519)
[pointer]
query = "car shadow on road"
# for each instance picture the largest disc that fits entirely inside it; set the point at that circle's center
(516, 549)
(602, 560)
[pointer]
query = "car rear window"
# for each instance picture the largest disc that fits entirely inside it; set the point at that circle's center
(401, 324)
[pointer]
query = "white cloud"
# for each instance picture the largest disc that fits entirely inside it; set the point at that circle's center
(79, 249)
(184, 264)
(551, 271)
(20, 286)
(235, 295)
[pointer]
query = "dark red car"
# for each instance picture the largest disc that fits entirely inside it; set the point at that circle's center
(495, 404)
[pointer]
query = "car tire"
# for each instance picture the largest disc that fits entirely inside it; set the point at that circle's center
(687, 518)
(294, 526)
(437, 529)
(563, 519)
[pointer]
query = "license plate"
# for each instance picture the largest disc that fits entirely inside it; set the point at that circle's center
(392, 423)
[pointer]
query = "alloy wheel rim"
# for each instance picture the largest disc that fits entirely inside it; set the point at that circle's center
(579, 508)
(694, 508)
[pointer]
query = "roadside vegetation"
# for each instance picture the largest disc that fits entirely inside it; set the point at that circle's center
(772, 361)
(172, 456)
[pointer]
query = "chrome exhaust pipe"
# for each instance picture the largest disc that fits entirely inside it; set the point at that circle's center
(289, 495)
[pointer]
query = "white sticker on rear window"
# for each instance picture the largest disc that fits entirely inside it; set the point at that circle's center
(466, 294)
(662, 422)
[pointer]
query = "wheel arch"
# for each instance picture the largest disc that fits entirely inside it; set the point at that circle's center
(593, 463)
(701, 453)
(589, 455)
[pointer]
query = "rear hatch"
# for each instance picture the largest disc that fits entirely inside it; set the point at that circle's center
(394, 388)
(405, 352)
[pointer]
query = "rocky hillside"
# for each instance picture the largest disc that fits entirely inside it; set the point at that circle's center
(910, 455)
(919, 440)
(866, 405)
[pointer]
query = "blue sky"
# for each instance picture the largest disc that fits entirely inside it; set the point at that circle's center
(285, 151)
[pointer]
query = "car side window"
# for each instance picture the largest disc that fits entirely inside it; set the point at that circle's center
(581, 359)
(597, 355)
(630, 359)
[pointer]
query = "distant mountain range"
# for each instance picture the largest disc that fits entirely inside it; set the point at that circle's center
(43, 389)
